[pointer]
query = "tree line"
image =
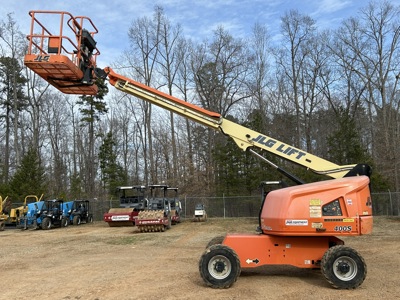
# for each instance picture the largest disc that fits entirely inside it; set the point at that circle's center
(333, 93)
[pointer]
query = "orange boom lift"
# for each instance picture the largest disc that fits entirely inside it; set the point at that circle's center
(298, 225)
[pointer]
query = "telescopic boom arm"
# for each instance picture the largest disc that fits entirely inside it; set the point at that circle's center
(244, 138)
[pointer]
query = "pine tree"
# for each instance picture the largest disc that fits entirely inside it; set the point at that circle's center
(113, 174)
(344, 143)
(12, 101)
(345, 147)
(29, 178)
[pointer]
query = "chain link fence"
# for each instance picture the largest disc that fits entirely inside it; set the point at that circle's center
(383, 204)
(386, 204)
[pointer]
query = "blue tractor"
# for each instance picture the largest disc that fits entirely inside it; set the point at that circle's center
(78, 212)
(45, 214)
(34, 210)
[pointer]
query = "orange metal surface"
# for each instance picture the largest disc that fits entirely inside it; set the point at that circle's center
(366, 224)
(307, 210)
(260, 249)
(60, 72)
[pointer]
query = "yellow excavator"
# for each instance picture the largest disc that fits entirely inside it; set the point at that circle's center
(17, 214)
(298, 225)
(5, 206)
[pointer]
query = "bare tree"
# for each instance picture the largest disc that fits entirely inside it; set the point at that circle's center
(297, 31)
(373, 41)
(184, 83)
(144, 35)
(134, 146)
(313, 77)
(260, 83)
(220, 69)
(168, 61)
(73, 162)
(56, 119)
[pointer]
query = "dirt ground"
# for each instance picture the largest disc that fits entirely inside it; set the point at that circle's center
(95, 261)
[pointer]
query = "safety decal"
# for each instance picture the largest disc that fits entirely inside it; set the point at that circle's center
(315, 212)
(317, 225)
(254, 261)
(315, 208)
(315, 202)
(348, 220)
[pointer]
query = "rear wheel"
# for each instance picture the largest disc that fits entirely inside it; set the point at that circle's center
(343, 267)
(90, 220)
(46, 223)
(2, 225)
(219, 266)
(76, 220)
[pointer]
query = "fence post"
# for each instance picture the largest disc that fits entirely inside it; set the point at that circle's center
(223, 200)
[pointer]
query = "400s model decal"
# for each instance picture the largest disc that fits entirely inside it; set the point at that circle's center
(343, 228)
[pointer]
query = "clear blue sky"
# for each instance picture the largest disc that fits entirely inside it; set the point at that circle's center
(197, 18)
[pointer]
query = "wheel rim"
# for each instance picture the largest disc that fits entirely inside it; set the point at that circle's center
(219, 267)
(345, 268)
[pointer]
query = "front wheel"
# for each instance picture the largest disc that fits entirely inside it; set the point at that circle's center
(219, 266)
(46, 223)
(343, 267)
(64, 222)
